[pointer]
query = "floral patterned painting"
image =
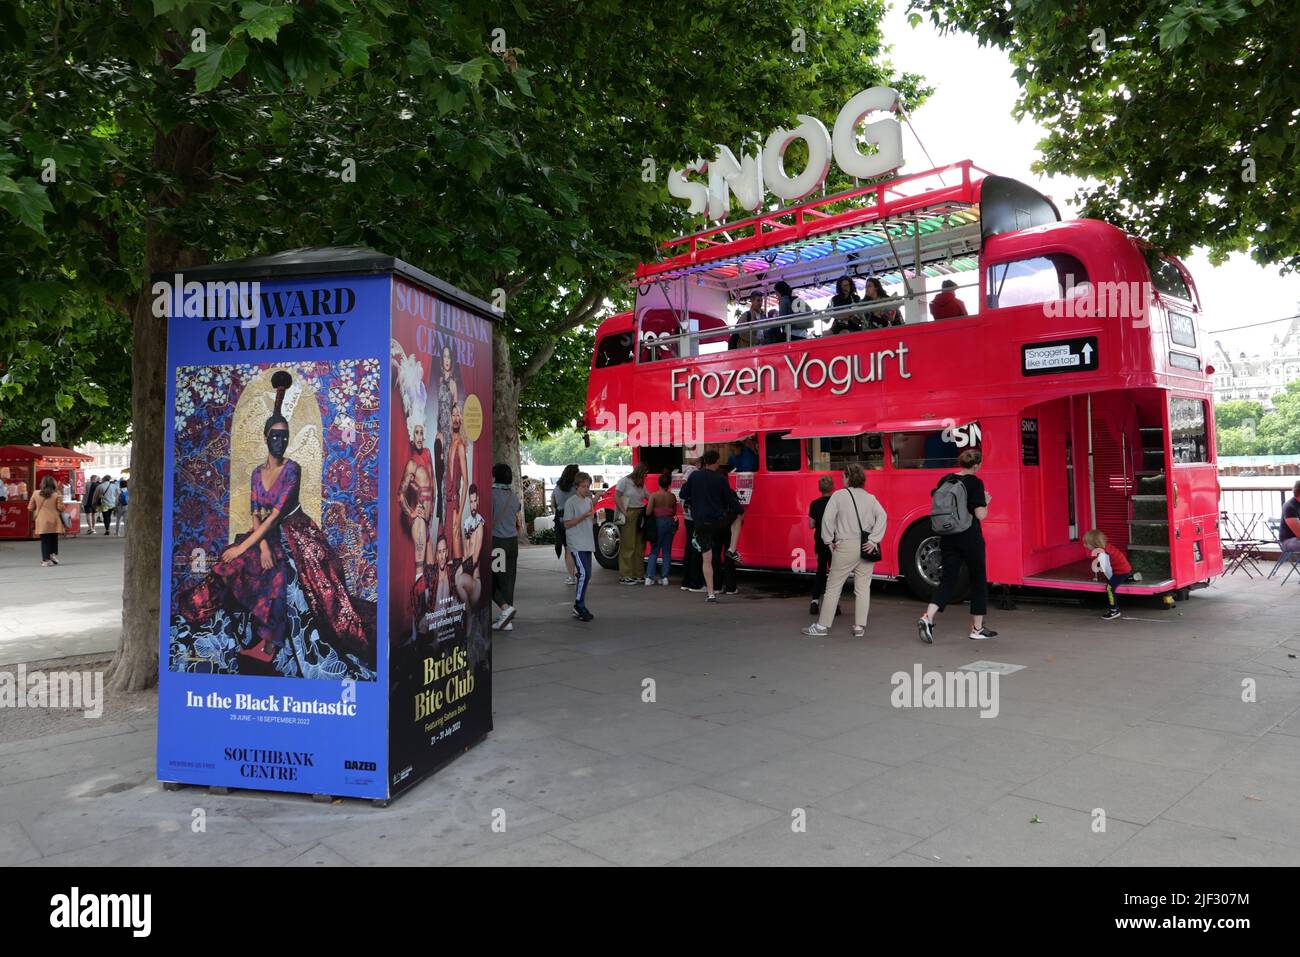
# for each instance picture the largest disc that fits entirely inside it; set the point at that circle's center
(325, 550)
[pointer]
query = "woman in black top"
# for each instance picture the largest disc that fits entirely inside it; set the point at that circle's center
(884, 317)
(845, 295)
(967, 547)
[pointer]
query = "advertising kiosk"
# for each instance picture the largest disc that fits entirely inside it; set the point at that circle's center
(22, 469)
(326, 524)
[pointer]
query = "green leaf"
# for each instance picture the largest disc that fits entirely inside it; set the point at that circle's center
(262, 22)
(26, 200)
(220, 60)
(356, 45)
(471, 71)
(419, 57)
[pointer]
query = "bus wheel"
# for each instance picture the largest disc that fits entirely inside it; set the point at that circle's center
(607, 539)
(918, 558)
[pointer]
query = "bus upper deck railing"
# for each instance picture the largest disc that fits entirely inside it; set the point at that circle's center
(796, 327)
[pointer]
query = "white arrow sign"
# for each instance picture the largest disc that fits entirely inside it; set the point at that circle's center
(1087, 353)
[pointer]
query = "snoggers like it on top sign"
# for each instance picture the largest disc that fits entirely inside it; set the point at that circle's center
(748, 178)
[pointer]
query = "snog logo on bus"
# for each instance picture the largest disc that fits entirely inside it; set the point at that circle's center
(946, 689)
(77, 910)
(841, 372)
(1096, 300)
(653, 428)
(750, 177)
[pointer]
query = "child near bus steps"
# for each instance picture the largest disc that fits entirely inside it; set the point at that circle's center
(581, 538)
(853, 525)
(962, 541)
(1113, 565)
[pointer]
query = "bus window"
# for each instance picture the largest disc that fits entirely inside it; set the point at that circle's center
(614, 350)
(1187, 430)
(661, 458)
(923, 450)
(1037, 279)
(783, 454)
(833, 454)
(1166, 277)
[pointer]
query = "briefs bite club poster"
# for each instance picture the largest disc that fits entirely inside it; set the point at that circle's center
(440, 534)
(326, 584)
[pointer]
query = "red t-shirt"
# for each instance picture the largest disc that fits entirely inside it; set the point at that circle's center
(1118, 560)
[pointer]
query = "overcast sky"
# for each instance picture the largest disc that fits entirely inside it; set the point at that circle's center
(969, 117)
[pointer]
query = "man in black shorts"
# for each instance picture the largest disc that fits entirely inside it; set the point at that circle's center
(713, 505)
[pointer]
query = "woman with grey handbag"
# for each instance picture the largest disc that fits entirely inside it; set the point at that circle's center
(853, 526)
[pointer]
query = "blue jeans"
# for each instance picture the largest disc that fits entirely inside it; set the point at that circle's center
(665, 526)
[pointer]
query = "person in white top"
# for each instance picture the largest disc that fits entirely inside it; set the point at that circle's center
(853, 526)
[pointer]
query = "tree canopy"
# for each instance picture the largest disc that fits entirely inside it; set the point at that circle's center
(1183, 114)
(501, 145)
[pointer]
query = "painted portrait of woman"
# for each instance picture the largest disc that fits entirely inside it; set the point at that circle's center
(278, 571)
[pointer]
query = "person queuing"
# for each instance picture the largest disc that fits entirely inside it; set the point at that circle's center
(662, 511)
(946, 305)
(578, 523)
(507, 523)
(853, 525)
(816, 512)
(88, 505)
(692, 560)
(46, 508)
(959, 503)
(845, 295)
(883, 318)
(560, 496)
(106, 501)
(629, 504)
(120, 513)
(710, 498)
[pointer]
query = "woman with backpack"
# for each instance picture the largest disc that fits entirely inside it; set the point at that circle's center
(959, 503)
(853, 525)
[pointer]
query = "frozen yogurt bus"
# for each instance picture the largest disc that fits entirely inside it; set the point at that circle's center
(1077, 370)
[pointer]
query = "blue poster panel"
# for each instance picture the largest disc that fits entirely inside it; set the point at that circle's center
(273, 625)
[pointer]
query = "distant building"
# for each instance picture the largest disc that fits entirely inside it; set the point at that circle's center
(1260, 376)
(109, 459)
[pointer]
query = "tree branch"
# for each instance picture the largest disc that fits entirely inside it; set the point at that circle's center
(587, 307)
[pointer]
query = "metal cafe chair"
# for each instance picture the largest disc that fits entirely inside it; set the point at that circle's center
(1291, 558)
(1240, 545)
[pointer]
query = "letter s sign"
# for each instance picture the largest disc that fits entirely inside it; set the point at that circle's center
(967, 436)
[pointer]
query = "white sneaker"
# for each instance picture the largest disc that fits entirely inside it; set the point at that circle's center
(570, 580)
(816, 631)
(649, 582)
(859, 631)
(663, 581)
(508, 626)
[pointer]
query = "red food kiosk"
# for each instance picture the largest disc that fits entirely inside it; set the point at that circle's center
(23, 468)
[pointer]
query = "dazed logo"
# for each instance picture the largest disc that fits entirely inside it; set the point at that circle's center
(360, 766)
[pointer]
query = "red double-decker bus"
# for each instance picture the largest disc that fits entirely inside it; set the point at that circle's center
(1076, 370)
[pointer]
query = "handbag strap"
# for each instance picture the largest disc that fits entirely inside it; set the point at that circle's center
(856, 514)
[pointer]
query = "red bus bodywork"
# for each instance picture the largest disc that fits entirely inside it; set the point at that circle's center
(1124, 444)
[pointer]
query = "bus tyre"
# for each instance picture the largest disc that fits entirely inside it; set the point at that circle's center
(918, 558)
(607, 539)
